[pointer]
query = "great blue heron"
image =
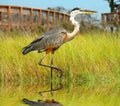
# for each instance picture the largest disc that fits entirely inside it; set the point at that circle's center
(52, 40)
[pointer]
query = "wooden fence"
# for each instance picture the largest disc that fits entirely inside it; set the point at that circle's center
(111, 19)
(16, 17)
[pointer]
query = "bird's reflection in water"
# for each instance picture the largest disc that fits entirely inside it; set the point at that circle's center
(47, 102)
(42, 103)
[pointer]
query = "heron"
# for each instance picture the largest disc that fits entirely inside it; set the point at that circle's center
(53, 39)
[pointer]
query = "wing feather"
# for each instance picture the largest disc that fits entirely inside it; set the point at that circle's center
(51, 39)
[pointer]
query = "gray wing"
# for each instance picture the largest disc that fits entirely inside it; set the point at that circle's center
(55, 31)
(51, 39)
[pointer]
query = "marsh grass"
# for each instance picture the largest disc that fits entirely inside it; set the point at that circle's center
(92, 56)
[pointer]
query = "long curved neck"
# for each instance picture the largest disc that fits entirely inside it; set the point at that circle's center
(76, 28)
(75, 31)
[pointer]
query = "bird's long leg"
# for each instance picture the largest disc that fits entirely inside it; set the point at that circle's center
(51, 66)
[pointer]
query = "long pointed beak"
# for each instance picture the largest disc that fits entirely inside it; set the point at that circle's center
(88, 12)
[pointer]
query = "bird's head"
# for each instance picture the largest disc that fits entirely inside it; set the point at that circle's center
(74, 14)
(77, 11)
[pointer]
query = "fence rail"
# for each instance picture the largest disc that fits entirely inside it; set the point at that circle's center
(16, 17)
(111, 19)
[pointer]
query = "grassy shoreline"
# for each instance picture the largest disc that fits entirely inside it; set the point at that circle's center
(89, 57)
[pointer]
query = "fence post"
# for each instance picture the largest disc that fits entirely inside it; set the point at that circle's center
(102, 19)
(58, 17)
(9, 18)
(54, 19)
(64, 17)
(31, 19)
(47, 18)
(40, 17)
(21, 18)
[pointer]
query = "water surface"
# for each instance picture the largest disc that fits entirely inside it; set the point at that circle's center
(85, 94)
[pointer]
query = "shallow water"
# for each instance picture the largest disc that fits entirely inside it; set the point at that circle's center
(86, 94)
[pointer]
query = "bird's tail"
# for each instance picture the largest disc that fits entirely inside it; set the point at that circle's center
(26, 49)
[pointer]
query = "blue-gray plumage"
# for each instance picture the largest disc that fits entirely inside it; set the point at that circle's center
(52, 40)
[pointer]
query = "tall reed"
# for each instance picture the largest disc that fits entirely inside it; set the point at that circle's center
(90, 56)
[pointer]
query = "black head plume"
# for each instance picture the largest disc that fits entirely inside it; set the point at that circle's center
(75, 9)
